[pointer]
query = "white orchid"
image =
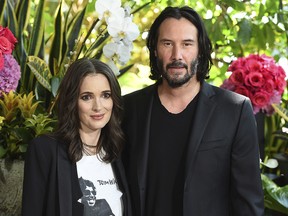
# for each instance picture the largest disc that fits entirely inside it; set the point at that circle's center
(113, 67)
(117, 52)
(123, 29)
(109, 8)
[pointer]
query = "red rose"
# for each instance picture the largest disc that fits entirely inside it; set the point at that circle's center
(237, 77)
(254, 79)
(243, 91)
(253, 65)
(5, 45)
(5, 32)
(260, 99)
(269, 86)
(259, 78)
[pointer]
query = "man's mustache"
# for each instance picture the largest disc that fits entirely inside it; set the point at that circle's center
(177, 64)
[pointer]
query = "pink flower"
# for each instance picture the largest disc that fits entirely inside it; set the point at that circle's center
(259, 78)
(9, 75)
(6, 33)
(9, 67)
(5, 45)
(1, 60)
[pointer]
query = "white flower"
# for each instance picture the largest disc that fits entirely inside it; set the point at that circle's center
(113, 67)
(117, 52)
(270, 163)
(123, 29)
(109, 8)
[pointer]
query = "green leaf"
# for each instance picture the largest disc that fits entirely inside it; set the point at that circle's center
(281, 111)
(3, 151)
(74, 29)
(244, 33)
(55, 57)
(275, 197)
(12, 20)
(37, 31)
(2, 7)
(55, 82)
(41, 71)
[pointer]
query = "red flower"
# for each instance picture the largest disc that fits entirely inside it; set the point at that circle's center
(5, 45)
(259, 78)
(5, 32)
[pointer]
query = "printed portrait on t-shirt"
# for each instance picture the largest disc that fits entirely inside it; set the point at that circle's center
(92, 205)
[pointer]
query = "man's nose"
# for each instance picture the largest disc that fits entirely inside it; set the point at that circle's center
(177, 53)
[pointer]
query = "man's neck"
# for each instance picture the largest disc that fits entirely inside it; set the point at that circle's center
(175, 100)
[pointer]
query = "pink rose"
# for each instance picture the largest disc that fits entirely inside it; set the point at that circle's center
(254, 79)
(260, 99)
(5, 45)
(269, 86)
(5, 32)
(243, 91)
(237, 77)
(253, 65)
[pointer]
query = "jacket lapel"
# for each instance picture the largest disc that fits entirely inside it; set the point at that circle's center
(68, 186)
(145, 106)
(204, 111)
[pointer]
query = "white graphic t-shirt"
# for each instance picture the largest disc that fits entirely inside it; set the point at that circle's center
(101, 196)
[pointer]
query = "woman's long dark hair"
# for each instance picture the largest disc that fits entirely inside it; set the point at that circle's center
(205, 46)
(111, 139)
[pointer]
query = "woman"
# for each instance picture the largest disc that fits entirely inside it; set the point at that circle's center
(77, 169)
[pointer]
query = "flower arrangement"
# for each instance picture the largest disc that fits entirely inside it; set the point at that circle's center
(9, 67)
(259, 78)
(121, 28)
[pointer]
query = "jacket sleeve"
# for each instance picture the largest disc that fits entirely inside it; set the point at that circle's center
(36, 172)
(246, 187)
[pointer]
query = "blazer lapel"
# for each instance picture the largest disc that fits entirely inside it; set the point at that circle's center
(68, 186)
(204, 111)
(144, 145)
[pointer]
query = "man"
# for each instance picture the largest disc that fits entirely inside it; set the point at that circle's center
(192, 148)
(93, 206)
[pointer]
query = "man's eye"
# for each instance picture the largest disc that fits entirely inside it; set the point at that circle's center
(167, 44)
(187, 44)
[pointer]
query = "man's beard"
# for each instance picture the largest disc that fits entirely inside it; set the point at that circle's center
(176, 81)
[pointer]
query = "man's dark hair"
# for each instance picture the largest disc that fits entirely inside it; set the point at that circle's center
(205, 46)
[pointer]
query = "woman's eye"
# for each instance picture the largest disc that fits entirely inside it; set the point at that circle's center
(86, 97)
(106, 95)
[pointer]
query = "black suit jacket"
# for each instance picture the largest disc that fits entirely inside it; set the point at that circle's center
(51, 185)
(222, 174)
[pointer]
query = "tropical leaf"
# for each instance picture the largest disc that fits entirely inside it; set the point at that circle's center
(2, 7)
(55, 57)
(41, 71)
(281, 111)
(37, 31)
(275, 197)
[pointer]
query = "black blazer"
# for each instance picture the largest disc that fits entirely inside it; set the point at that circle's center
(222, 173)
(51, 184)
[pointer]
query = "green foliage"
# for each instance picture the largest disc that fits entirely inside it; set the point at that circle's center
(19, 123)
(275, 197)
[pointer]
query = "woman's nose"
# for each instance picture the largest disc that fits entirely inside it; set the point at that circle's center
(97, 104)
